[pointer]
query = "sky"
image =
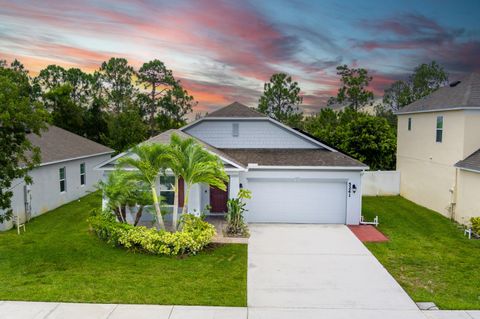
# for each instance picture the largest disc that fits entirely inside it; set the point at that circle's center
(224, 51)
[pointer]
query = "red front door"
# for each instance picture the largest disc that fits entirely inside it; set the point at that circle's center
(218, 200)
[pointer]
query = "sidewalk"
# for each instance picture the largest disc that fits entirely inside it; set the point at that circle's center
(54, 310)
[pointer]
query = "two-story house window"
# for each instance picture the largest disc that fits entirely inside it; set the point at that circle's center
(409, 123)
(439, 131)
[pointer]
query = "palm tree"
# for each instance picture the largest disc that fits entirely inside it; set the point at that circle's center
(149, 160)
(189, 160)
(118, 193)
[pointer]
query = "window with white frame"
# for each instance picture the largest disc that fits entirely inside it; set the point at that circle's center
(439, 130)
(167, 190)
(83, 174)
(62, 179)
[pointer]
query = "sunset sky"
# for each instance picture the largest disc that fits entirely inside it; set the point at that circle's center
(224, 51)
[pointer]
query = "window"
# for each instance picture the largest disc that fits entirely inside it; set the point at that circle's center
(83, 175)
(409, 123)
(235, 130)
(167, 192)
(63, 179)
(439, 131)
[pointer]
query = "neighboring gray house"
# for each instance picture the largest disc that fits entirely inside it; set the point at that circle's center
(65, 173)
(293, 177)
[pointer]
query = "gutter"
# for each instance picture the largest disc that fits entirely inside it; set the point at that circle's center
(74, 158)
(324, 168)
(439, 110)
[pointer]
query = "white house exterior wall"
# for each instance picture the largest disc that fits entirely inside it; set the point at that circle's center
(45, 190)
(468, 204)
(353, 200)
(252, 134)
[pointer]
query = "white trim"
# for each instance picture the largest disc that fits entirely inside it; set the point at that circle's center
(266, 118)
(468, 169)
(331, 168)
(74, 158)
(462, 108)
(222, 118)
(98, 166)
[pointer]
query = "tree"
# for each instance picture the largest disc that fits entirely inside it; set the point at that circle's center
(125, 129)
(155, 77)
(148, 160)
(81, 84)
(65, 113)
(20, 115)
(117, 191)
(425, 79)
(192, 162)
(353, 92)
(95, 123)
(397, 95)
(367, 138)
(115, 79)
(122, 190)
(281, 99)
(175, 105)
(371, 140)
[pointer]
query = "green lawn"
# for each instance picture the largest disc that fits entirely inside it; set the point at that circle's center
(57, 259)
(427, 253)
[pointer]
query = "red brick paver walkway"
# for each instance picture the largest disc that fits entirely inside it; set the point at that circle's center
(368, 233)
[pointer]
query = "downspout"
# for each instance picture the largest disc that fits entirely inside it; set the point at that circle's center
(454, 191)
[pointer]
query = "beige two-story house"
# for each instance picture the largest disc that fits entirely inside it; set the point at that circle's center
(438, 150)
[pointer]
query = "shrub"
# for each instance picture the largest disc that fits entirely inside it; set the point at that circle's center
(475, 224)
(236, 208)
(193, 237)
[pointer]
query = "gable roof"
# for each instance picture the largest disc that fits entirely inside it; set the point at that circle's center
(57, 145)
(472, 162)
(164, 138)
(293, 157)
(462, 94)
(236, 110)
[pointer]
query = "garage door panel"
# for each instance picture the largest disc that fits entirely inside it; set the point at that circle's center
(297, 201)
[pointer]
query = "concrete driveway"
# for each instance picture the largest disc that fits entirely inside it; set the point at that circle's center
(308, 271)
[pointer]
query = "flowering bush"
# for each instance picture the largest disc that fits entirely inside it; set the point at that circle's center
(193, 237)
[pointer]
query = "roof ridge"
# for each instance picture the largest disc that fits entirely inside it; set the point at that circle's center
(236, 109)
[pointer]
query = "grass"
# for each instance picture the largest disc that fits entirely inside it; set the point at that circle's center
(58, 259)
(427, 253)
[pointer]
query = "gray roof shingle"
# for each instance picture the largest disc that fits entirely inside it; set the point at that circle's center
(471, 162)
(57, 144)
(236, 110)
(292, 157)
(164, 138)
(465, 94)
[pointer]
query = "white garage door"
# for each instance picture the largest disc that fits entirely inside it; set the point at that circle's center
(297, 201)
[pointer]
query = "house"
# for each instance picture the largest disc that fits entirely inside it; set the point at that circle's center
(438, 151)
(293, 177)
(64, 174)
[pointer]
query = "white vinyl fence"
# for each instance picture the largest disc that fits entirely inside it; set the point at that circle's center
(375, 183)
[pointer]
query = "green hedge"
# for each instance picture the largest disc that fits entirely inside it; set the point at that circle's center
(193, 237)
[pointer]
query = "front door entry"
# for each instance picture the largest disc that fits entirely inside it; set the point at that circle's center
(218, 200)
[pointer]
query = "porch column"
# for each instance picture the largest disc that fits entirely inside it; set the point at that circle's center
(233, 186)
(194, 201)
